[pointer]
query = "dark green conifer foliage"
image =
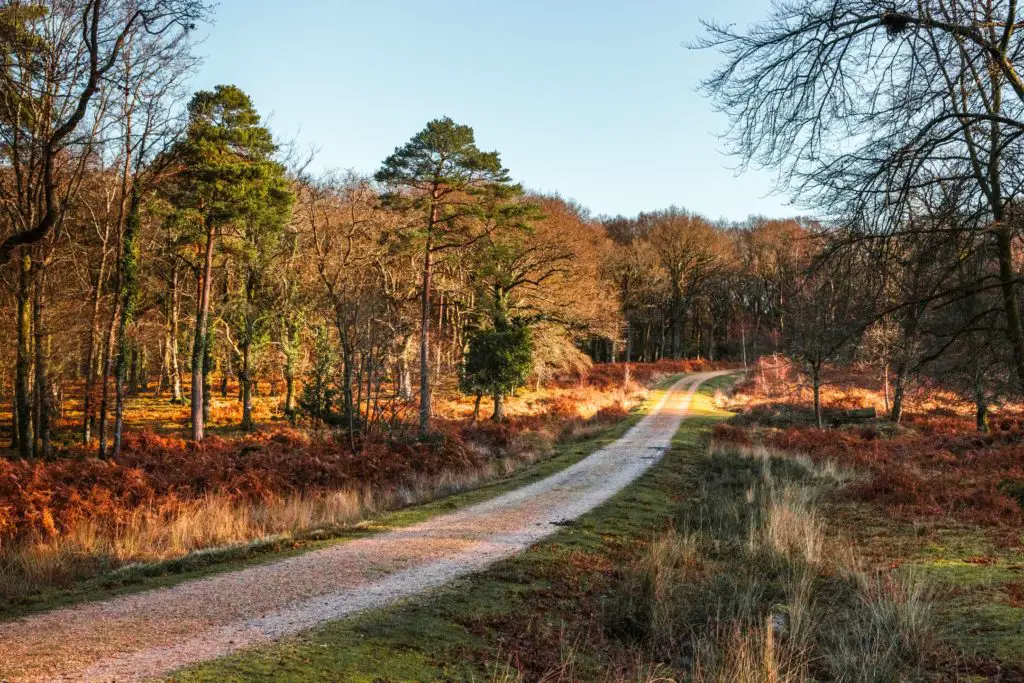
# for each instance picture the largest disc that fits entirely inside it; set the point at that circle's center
(497, 362)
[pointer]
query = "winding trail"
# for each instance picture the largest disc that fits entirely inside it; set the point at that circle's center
(147, 635)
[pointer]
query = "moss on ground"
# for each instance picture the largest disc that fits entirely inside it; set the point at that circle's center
(977, 574)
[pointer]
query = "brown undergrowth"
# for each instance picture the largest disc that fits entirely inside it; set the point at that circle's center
(74, 516)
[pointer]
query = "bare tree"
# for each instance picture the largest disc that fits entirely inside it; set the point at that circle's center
(868, 105)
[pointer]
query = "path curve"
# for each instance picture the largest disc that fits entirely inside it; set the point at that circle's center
(149, 634)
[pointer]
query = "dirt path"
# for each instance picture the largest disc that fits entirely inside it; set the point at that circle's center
(149, 634)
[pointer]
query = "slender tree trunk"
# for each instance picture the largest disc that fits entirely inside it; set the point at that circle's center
(22, 400)
(980, 406)
(441, 305)
(14, 421)
(425, 338)
(289, 396)
(405, 369)
(245, 378)
(165, 364)
(499, 407)
(885, 383)
(348, 358)
(91, 352)
(476, 408)
(177, 398)
(41, 445)
(898, 391)
(225, 375)
(128, 295)
(816, 383)
(199, 342)
(1011, 307)
(207, 375)
(108, 368)
(677, 329)
(743, 346)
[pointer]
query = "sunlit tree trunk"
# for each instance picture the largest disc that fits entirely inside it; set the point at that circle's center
(199, 342)
(41, 444)
(245, 379)
(92, 349)
(128, 295)
(425, 337)
(174, 333)
(108, 368)
(23, 406)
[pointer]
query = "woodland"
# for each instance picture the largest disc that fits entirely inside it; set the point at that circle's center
(194, 323)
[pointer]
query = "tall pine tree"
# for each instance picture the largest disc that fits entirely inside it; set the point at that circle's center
(445, 183)
(228, 176)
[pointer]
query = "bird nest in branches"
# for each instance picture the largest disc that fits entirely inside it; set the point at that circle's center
(895, 23)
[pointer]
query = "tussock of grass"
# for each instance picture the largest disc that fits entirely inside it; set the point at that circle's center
(753, 588)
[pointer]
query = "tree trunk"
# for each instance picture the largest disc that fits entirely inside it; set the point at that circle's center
(128, 294)
(885, 383)
(499, 407)
(476, 408)
(41, 445)
(176, 394)
(677, 329)
(816, 382)
(405, 369)
(1011, 309)
(980, 407)
(91, 352)
(245, 378)
(14, 421)
(199, 341)
(23, 368)
(165, 367)
(207, 374)
(743, 346)
(898, 390)
(425, 338)
(108, 368)
(225, 375)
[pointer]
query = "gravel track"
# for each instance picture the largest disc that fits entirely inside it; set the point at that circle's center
(147, 635)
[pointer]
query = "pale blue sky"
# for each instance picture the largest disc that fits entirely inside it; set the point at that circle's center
(591, 98)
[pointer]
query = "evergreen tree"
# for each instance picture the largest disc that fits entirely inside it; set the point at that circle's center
(228, 177)
(445, 183)
(497, 362)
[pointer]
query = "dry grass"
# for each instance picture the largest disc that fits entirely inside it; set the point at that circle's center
(170, 526)
(759, 588)
(217, 521)
(169, 531)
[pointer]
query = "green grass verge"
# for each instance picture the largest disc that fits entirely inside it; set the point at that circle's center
(978, 573)
(458, 632)
(136, 578)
